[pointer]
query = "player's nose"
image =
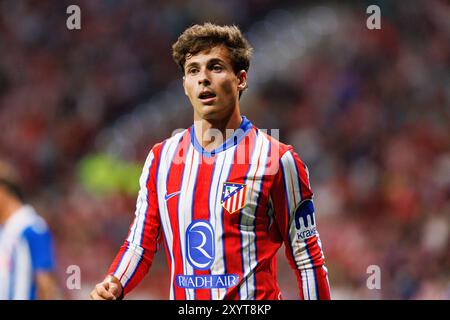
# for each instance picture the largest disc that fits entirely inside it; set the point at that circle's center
(203, 78)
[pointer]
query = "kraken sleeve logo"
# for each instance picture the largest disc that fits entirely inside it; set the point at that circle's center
(200, 244)
(304, 220)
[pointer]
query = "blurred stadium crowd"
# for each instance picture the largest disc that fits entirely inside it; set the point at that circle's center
(367, 110)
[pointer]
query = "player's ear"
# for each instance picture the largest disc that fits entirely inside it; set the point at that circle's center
(184, 85)
(242, 78)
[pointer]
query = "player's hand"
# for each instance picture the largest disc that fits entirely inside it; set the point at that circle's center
(109, 289)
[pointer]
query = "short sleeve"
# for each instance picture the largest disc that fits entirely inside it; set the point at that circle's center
(41, 247)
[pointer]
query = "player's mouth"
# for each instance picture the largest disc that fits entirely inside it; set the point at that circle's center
(207, 97)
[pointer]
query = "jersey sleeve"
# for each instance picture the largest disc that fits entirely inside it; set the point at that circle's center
(294, 212)
(40, 243)
(135, 256)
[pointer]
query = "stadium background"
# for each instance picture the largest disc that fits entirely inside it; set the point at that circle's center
(367, 110)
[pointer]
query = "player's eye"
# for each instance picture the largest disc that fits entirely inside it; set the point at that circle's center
(192, 70)
(217, 67)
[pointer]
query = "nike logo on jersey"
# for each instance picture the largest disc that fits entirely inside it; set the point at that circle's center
(168, 196)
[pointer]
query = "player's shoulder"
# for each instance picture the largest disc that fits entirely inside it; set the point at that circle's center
(278, 148)
(155, 150)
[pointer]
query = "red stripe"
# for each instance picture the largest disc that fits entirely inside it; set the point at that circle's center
(230, 222)
(292, 187)
(152, 218)
(117, 259)
(322, 284)
(202, 210)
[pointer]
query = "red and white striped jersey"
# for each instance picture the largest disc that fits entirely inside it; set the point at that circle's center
(222, 216)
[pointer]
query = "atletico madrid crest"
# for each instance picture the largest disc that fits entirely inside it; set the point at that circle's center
(233, 196)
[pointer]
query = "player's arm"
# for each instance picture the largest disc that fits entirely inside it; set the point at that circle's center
(40, 243)
(136, 254)
(46, 288)
(294, 211)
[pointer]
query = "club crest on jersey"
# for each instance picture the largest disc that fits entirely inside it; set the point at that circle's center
(233, 196)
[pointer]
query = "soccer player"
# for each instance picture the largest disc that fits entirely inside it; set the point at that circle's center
(26, 249)
(221, 196)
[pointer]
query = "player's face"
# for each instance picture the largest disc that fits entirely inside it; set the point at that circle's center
(211, 84)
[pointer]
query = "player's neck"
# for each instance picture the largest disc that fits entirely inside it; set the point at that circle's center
(207, 130)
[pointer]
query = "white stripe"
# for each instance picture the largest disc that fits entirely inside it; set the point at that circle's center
(167, 155)
(224, 162)
(305, 285)
(287, 183)
(234, 206)
(4, 269)
(131, 259)
(290, 177)
(141, 204)
(185, 209)
(241, 195)
(121, 268)
(247, 229)
(290, 171)
(228, 205)
(23, 272)
(212, 197)
(312, 284)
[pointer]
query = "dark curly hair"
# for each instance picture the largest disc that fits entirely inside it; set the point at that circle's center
(198, 38)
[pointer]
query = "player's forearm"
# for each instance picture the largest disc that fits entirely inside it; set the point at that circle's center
(130, 266)
(45, 286)
(314, 284)
(312, 272)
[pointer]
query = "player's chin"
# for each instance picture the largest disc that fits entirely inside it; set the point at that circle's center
(211, 112)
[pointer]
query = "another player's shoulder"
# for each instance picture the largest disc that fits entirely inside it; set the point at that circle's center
(37, 224)
(29, 224)
(36, 232)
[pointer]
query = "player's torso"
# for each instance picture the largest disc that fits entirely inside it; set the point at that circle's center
(216, 217)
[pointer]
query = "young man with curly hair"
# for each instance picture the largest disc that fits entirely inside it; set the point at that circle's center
(222, 196)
